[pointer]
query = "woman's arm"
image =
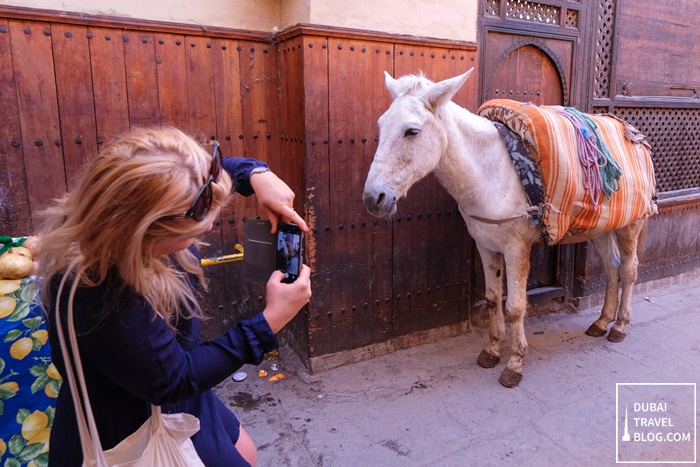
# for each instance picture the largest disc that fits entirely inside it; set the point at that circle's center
(274, 196)
(142, 354)
(240, 168)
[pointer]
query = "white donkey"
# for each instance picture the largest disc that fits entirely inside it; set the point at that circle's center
(423, 131)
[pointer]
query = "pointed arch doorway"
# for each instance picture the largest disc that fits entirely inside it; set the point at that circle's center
(529, 53)
(528, 73)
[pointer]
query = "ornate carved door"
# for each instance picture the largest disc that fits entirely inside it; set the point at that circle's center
(529, 54)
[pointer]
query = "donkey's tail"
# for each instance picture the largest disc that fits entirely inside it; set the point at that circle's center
(642, 240)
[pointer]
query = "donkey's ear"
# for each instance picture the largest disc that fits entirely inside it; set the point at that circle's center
(443, 91)
(392, 85)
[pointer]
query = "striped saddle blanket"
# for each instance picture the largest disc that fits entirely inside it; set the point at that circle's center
(582, 199)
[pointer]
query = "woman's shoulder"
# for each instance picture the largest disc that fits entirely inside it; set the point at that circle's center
(93, 303)
(111, 285)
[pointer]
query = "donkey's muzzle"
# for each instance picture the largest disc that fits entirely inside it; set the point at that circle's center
(379, 203)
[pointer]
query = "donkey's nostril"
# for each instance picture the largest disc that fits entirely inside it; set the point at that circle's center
(380, 198)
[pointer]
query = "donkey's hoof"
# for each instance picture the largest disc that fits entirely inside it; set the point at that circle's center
(486, 360)
(595, 331)
(616, 336)
(510, 378)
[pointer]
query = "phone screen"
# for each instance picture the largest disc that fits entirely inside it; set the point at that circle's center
(289, 250)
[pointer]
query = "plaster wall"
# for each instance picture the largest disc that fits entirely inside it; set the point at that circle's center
(444, 19)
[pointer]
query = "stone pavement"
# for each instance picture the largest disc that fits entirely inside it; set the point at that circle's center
(432, 405)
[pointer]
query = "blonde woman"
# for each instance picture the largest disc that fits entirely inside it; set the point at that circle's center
(127, 237)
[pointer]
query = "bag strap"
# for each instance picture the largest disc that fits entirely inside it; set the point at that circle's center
(89, 438)
(93, 454)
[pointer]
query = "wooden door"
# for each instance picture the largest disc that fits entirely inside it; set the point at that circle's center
(526, 72)
(528, 54)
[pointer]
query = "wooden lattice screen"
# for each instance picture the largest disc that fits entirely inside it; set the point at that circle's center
(674, 135)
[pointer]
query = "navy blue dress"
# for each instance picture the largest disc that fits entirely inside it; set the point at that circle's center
(132, 360)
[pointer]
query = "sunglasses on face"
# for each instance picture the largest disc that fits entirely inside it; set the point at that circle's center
(202, 203)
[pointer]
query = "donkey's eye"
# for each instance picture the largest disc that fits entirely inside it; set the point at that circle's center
(411, 132)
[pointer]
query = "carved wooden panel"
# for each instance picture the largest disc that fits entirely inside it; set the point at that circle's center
(643, 74)
(655, 54)
(643, 46)
(605, 20)
(533, 12)
(674, 135)
(526, 68)
(550, 13)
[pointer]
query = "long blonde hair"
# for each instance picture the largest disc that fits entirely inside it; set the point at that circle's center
(110, 220)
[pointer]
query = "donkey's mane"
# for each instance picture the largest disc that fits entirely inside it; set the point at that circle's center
(412, 84)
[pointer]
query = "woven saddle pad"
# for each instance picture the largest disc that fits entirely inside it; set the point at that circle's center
(570, 214)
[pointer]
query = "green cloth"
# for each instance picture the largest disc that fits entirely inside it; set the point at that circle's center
(10, 242)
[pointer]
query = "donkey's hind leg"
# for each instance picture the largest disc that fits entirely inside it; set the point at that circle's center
(628, 239)
(620, 267)
(493, 275)
(606, 247)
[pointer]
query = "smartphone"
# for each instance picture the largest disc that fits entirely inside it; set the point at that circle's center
(290, 250)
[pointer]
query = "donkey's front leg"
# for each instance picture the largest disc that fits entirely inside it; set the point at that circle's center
(628, 238)
(493, 276)
(518, 268)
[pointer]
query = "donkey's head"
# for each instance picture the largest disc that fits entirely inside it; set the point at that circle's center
(412, 138)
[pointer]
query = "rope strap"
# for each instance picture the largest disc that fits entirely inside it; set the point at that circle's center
(601, 172)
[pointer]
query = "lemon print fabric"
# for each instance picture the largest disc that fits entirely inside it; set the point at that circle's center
(29, 381)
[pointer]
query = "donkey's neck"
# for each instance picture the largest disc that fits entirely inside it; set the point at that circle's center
(476, 168)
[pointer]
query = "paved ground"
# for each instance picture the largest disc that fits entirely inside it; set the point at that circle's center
(432, 405)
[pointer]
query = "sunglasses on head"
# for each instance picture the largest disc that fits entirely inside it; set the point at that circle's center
(202, 203)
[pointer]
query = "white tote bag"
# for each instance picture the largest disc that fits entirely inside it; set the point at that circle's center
(162, 441)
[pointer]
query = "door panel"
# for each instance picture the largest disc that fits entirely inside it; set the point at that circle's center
(528, 67)
(526, 74)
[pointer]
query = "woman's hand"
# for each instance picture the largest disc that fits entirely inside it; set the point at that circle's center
(285, 300)
(276, 200)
